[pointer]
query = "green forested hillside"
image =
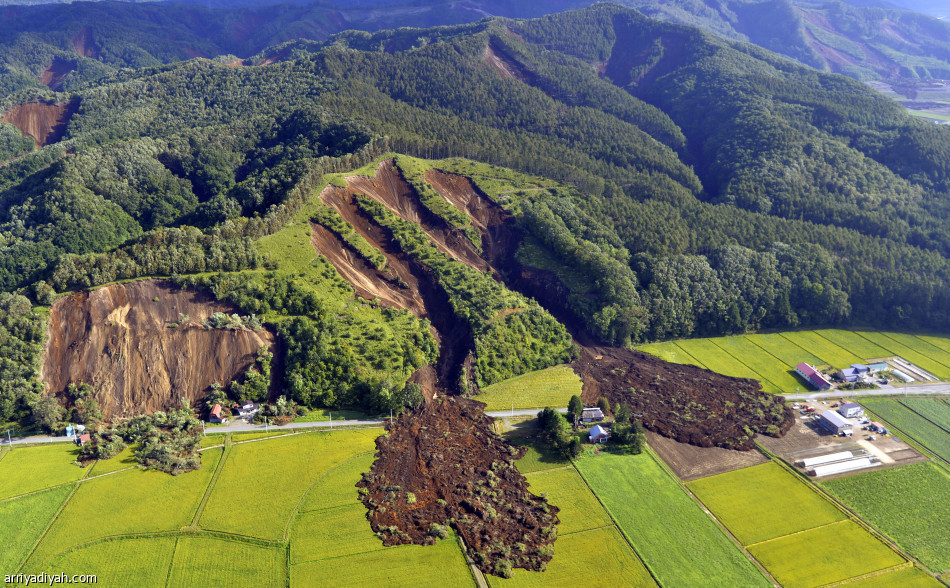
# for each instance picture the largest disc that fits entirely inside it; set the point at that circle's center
(695, 186)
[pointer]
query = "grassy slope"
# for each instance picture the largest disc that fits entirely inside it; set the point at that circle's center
(677, 540)
(553, 386)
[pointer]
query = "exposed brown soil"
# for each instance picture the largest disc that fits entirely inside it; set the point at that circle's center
(690, 462)
(503, 65)
(443, 464)
(54, 74)
(369, 282)
(84, 45)
(275, 58)
(118, 340)
(687, 403)
(423, 295)
(44, 122)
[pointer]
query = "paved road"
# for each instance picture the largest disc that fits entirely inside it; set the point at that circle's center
(242, 427)
(941, 388)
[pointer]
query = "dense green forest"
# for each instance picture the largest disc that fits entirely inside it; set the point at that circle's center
(698, 186)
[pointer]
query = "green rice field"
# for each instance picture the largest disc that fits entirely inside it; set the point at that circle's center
(122, 562)
(824, 555)
(755, 502)
(935, 410)
(680, 544)
(29, 469)
(771, 358)
(908, 504)
(553, 386)
(909, 577)
(911, 424)
(23, 521)
(599, 558)
(203, 560)
(783, 523)
(565, 488)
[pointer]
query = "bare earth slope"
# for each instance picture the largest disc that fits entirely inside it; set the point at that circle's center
(118, 339)
(43, 121)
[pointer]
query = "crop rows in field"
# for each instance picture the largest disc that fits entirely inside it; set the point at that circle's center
(800, 538)
(908, 504)
(771, 358)
(912, 424)
(680, 544)
(935, 410)
(553, 387)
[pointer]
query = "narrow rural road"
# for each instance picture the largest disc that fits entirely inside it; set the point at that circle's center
(940, 388)
(242, 427)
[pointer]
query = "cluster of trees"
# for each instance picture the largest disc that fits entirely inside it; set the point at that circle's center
(21, 346)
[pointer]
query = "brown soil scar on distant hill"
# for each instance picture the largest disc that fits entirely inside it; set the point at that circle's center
(44, 122)
(83, 43)
(122, 340)
(54, 74)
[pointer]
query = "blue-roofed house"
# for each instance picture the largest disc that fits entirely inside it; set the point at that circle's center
(598, 434)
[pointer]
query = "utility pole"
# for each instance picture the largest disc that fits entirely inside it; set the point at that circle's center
(390, 417)
(265, 425)
(331, 419)
(9, 440)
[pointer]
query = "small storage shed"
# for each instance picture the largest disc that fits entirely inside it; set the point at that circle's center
(598, 434)
(850, 410)
(592, 415)
(878, 367)
(216, 415)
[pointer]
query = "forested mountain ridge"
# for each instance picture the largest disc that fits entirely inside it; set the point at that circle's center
(681, 185)
(64, 46)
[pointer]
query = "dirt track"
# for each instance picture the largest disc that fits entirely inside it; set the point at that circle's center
(118, 340)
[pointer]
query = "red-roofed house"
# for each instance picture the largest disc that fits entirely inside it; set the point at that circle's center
(216, 415)
(812, 376)
(83, 439)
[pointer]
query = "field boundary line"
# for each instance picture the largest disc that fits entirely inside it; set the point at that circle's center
(171, 562)
(666, 468)
(557, 469)
(296, 511)
(177, 533)
(477, 574)
(840, 346)
(226, 452)
(923, 416)
(747, 366)
(777, 358)
(802, 347)
(869, 575)
(851, 514)
(52, 522)
(696, 359)
(792, 534)
(76, 481)
(616, 526)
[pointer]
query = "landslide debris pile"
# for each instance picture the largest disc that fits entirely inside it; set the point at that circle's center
(142, 346)
(443, 465)
(683, 402)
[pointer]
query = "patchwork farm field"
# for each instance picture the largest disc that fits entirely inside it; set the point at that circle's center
(908, 504)
(771, 358)
(553, 386)
(910, 577)
(935, 410)
(802, 539)
(755, 503)
(680, 544)
(824, 555)
(911, 424)
(35, 468)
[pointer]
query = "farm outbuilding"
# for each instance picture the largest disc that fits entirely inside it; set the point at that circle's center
(834, 423)
(216, 415)
(812, 376)
(850, 410)
(592, 415)
(878, 367)
(598, 434)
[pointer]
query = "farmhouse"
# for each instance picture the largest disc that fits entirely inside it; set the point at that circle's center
(592, 415)
(598, 434)
(812, 376)
(83, 439)
(850, 410)
(216, 415)
(246, 409)
(853, 373)
(833, 422)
